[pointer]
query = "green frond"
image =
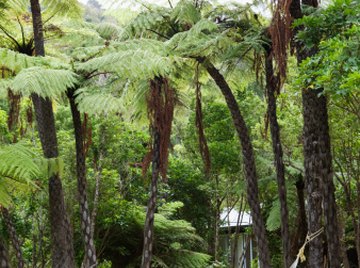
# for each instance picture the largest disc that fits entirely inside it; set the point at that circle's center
(185, 13)
(108, 31)
(203, 39)
(68, 8)
(17, 6)
(15, 61)
(43, 82)
(148, 22)
(96, 100)
(273, 220)
(17, 163)
(18, 168)
(135, 63)
(85, 53)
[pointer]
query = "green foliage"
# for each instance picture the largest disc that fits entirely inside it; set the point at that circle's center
(335, 30)
(43, 82)
(185, 13)
(18, 165)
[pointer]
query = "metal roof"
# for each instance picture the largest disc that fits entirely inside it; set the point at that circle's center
(230, 217)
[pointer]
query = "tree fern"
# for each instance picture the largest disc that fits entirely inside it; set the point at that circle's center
(43, 82)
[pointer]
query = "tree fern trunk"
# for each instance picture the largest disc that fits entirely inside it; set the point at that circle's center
(249, 164)
(318, 164)
(271, 88)
(13, 237)
(61, 233)
(90, 253)
(299, 236)
(4, 258)
(150, 213)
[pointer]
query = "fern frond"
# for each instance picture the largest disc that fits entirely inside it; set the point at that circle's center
(17, 162)
(43, 82)
(67, 8)
(96, 100)
(15, 61)
(108, 31)
(273, 220)
(18, 168)
(203, 39)
(148, 23)
(133, 64)
(185, 13)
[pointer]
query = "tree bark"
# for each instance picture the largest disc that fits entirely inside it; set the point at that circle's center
(61, 233)
(4, 258)
(299, 237)
(317, 163)
(272, 86)
(151, 207)
(13, 237)
(90, 252)
(249, 163)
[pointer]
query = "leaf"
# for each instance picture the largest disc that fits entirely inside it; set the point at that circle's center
(43, 82)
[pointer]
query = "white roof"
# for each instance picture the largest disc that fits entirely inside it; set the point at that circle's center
(230, 217)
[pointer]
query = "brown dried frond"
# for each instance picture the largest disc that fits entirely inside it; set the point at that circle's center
(160, 106)
(204, 149)
(280, 33)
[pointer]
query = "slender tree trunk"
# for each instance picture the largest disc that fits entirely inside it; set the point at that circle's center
(13, 237)
(4, 258)
(61, 233)
(271, 88)
(151, 207)
(318, 164)
(299, 237)
(90, 253)
(249, 163)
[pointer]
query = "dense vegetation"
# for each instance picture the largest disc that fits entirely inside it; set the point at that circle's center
(151, 121)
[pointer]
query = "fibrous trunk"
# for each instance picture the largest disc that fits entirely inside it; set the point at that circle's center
(160, 103)
(272, 87)
(4, 258)
(249, 163)
(13, 237)
(61, 233)
(318, 164)
(90, 253)
(151, 206)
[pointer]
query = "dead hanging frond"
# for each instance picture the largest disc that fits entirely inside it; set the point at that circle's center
(160, 106)
(280, 33)
(204, 149)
